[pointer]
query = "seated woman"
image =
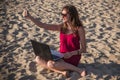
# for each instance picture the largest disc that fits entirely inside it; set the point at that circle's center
(72, 41)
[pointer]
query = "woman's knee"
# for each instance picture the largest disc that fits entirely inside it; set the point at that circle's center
(40, 61)
(51, 64)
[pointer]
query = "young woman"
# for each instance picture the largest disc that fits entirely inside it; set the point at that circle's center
(72, 41)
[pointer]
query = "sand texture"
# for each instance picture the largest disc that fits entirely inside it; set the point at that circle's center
(101, 20)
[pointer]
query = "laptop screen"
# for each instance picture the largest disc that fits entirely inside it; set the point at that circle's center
(41, 50)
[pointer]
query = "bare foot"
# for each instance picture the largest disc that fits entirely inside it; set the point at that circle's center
(83, 72)
(66, 73)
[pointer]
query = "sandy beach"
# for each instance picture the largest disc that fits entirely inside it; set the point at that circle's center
(101, 20)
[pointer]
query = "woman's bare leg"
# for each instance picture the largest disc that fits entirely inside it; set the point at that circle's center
(49, 65)
(60, 66)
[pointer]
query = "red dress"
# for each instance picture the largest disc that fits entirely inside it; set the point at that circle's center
(68, 43)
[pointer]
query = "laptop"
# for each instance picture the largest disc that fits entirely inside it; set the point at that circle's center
(44, 52)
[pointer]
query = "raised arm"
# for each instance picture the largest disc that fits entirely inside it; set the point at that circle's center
(54, 27)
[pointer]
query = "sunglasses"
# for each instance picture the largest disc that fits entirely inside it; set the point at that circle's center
(64, 15)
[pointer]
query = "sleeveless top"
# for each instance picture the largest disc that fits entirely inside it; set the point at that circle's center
(68, 43)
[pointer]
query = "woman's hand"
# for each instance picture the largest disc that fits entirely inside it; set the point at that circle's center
(68, 55)
(26, 14)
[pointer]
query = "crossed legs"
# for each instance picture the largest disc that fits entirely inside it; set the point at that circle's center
(60, 66)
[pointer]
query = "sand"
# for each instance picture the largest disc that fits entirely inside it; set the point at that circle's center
(101, 20)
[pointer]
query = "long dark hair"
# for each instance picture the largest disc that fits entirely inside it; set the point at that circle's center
(74, 18)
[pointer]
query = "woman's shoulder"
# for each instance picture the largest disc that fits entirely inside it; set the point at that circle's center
(81, 29)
